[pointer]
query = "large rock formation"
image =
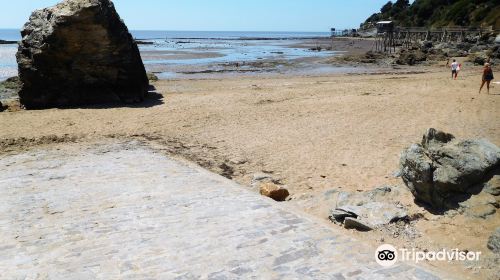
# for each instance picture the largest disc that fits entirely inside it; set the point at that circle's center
(79, 52)
(443, 171)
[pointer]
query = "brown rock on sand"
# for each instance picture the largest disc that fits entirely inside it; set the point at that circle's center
(274, 191)
(79, 52)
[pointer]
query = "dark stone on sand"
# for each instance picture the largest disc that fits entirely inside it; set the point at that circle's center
(76, 53)
(479, 58)
(340, 215)
(426, 46)
(410, 57)
(353, 223)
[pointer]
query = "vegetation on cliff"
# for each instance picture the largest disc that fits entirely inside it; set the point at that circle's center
(440, 13)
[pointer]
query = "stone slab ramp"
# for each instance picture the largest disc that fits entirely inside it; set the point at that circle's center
(122, 211)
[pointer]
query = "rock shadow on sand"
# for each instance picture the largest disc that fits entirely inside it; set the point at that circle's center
(152, 99)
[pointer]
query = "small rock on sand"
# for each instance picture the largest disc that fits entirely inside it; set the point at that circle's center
(353, 223)
(261, 176)
(238, 161)
(340, 215)
(274, 191)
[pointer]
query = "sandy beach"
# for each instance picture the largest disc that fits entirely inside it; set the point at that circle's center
(319, 125)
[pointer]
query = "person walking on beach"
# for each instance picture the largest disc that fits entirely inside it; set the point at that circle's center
(487, 77)
(454, 69)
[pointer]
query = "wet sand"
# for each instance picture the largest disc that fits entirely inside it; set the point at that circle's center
(177, 55)
(207, 58)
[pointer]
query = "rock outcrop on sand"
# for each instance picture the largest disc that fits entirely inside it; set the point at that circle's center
(79, 52)
(442, 171)
(369, 210)
(9, 88)
(410, 57)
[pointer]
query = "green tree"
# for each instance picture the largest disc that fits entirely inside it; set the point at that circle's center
(442, 12)
(386, 8)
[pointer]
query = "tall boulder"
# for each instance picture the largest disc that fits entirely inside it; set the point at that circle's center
(76, 53)
(442, 170)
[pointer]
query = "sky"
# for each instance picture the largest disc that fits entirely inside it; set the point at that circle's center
(219, 15)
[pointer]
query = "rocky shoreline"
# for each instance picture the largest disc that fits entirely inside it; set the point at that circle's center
(7, 42)
(474, 50)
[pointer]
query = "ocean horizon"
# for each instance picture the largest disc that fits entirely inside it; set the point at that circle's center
(183, 49)
(15, 35)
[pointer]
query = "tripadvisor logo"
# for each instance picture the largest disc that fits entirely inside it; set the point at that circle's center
(387, 255)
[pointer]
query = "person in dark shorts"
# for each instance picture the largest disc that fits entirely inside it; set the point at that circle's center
(454, 69)
(487, 77)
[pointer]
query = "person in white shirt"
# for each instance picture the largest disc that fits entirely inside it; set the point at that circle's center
(454, 69)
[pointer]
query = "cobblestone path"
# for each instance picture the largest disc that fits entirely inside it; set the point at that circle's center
(122, 211)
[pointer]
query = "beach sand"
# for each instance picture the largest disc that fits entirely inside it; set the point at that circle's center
(311, 133)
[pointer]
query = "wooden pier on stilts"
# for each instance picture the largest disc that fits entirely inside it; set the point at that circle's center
(389, 37)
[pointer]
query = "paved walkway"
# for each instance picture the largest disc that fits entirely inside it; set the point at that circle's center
(121, 211)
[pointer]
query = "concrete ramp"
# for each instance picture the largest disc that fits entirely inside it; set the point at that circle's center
(122, 211)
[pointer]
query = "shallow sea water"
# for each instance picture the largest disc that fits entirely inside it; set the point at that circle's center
(179, 52)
